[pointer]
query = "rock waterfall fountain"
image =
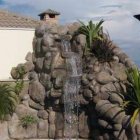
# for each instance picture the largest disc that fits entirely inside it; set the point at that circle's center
(71, 90)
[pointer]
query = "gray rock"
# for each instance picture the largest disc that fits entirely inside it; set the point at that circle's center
(116, 58)
(42, 114)
(122, 57)
(90, 77)
(103, 106)
(96, 68)
(14, 73)
(83, 126)
(52, 130)
(28, 57)
(137, 127)
(52, 116)
(33, 76)
(62, 30)
(35, 105)
(28, 66)
(104, 78)
(22, 110)
(117, 127)
(104, 124)
(4, 131)
(81, 39)
(119, 71)
(17, 131)
(56, 93)
(45, 80)
(37, 47)
(48, 40)
(58, 83)
(84, 80)
(117, 51)
(42, 131)
(115, 99)
(82, 100)
(129, 63)
(39, 64)
(40, 30)
(103, 96)
(88, 93)
(109, 88)
(73, 27)
(37, 92)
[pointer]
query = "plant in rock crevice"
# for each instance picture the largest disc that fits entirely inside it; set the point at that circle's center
(8, 101)
(28, 120)
(92, 33)
(132, 99)
(102, 49)
(19, 82)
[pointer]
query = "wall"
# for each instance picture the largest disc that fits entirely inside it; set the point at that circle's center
(14, 45)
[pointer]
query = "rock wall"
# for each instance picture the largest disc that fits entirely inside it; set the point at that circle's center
(100, 114)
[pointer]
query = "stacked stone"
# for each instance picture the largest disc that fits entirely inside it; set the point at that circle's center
(103, 85)
(100, 114)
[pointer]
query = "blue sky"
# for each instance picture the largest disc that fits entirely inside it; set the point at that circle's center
(118, 16)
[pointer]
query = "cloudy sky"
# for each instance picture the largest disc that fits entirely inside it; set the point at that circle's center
(118, 16)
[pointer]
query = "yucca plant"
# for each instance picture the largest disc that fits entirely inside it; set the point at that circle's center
(92, 32)
(132, 102)
(8, 100)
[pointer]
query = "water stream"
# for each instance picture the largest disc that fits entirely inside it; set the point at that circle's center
(71, 91)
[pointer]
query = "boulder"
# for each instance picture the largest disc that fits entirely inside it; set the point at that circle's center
(43, 114)
(35, 105)
(115, 99)
(119, 71)
(104, 77)
(37, 92)
(29, 57)
(17, 131)
(40, 30)
(22, 110)
(42, 131)
(4, 131)
(28, 66)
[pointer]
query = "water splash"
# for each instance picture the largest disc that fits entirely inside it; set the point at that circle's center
(71, 90)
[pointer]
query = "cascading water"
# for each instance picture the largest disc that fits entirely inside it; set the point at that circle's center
(71, 90)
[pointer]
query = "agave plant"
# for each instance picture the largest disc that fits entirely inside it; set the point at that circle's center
(8, 100)
(91, 31)
(132, 103)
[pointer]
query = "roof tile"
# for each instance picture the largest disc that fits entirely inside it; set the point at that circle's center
(12, 20)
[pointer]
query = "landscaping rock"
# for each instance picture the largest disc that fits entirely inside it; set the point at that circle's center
(104, 78)
(43, 114)
(37, 92)
(42, 131)
(22, 110)
(115, 99)
(17, 131)
(35, 105)
(4, 131)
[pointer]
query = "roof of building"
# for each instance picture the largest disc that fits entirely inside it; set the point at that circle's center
(49, 11)
(12, 20)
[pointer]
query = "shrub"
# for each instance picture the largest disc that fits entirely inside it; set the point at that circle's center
(92, 32)
(102, 49)
(8, 101)
(19, 82)
(28, 120)
(132, 101)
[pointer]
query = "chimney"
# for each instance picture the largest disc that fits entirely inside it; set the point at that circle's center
(49, 16)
